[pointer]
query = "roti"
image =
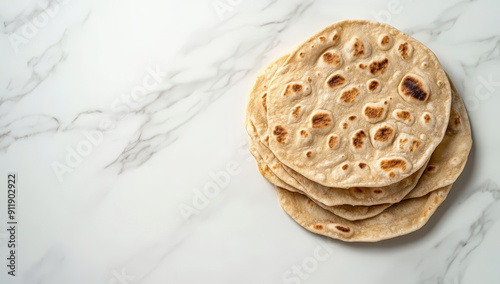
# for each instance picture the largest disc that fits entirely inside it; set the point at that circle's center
(358, 104)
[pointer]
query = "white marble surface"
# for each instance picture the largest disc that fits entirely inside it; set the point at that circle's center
(150, 95)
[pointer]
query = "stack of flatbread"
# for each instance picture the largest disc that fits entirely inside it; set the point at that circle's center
(360, 130)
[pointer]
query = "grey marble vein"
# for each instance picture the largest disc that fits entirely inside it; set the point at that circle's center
(453, 250)
(26, 127)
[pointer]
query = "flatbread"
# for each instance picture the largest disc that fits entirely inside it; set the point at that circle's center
(345, 125)
(399, 219)
(348, 96)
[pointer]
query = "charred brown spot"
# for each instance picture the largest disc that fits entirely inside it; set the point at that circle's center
(431, 168)
(457, 121)
(392, 174)
(318, 227)
(293, 88)
(362, 165)
(331, 58)
(379, 66)
(335, 80)
(374, 112)
(321, 120)
(266, 140)
(358, 190)
(280, 133)
(352, 117)
(335, 36)
(296, 111)
(359, 139)
(264, 101)
(388, 165)
(302, 54)
(373, 85)
(345, 167)
(349, 96)
(322, 38)
(303, 133)
(413, 88)
(383, 134)
(309, 79)
(385, 103)
(362, 66)
(333, 141)
(297, 88)
(436, 200)
(308, 154)
(404, 50)
(344, 125)
(404, 115)
(427, 118)
(276, 166)
(343, 229)
(359, 48)
(414, 146)
(385, 41)
(377, 191)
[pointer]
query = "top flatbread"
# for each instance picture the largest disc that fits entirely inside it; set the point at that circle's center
(358, 104)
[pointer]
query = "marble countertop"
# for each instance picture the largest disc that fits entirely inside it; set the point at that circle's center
(124, 124)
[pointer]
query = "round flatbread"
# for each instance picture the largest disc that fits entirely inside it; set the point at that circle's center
(357, 92)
